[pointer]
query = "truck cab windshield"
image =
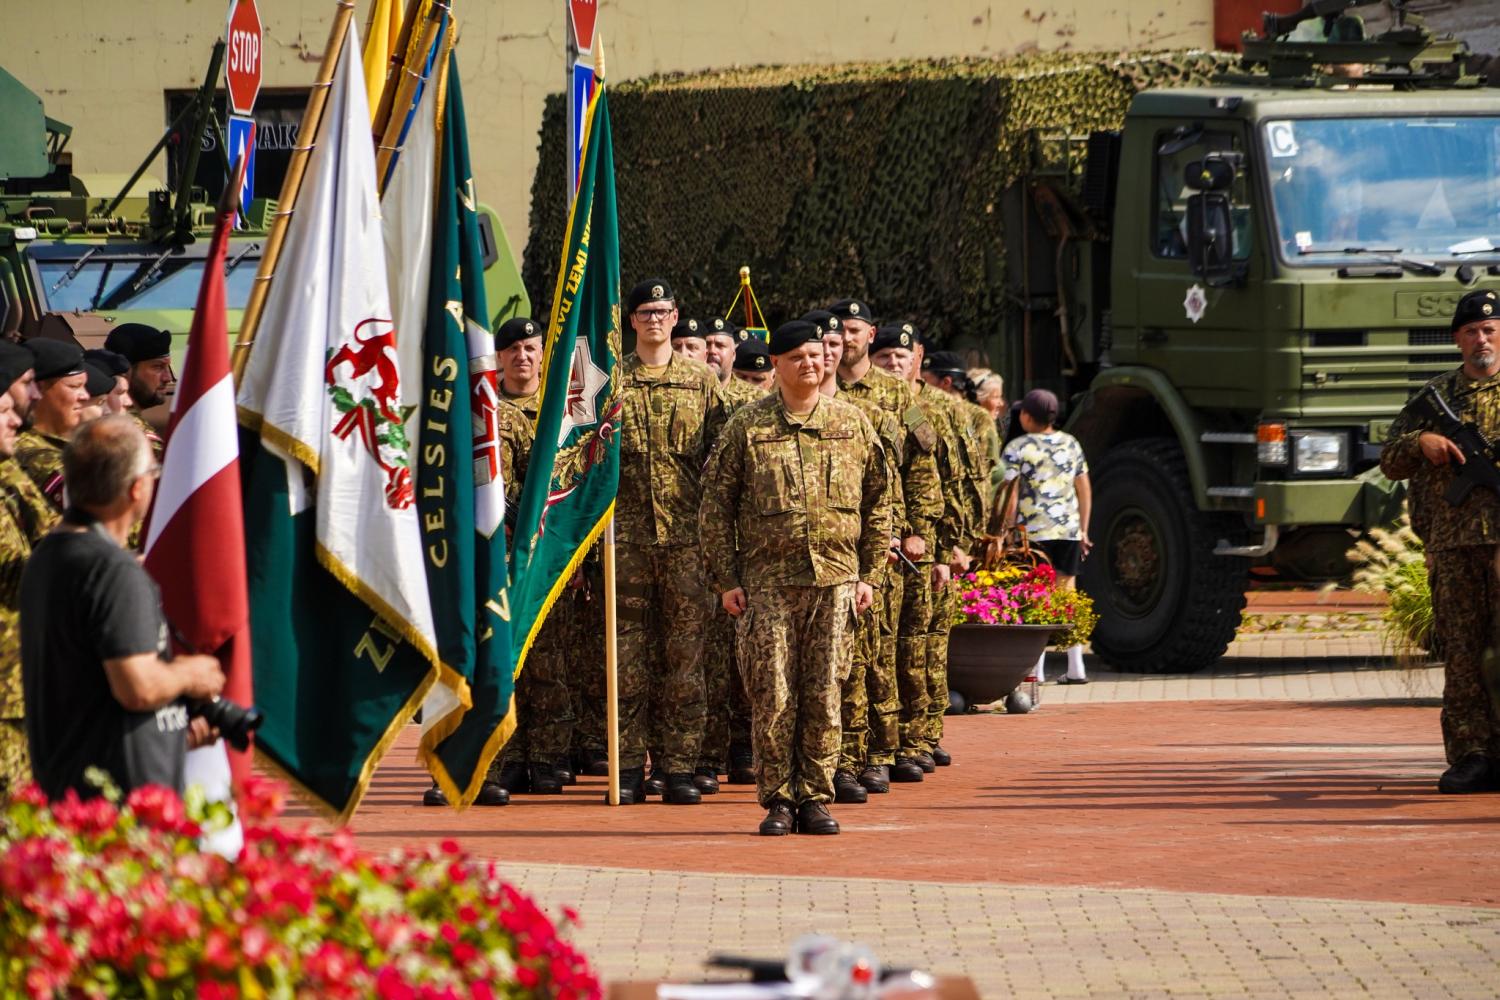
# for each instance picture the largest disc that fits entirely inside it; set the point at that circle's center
(84, 277)
(1343, 188)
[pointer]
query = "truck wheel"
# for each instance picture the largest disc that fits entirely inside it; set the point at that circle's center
(1166, 603)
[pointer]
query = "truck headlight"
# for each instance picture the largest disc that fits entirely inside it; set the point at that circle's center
(1320, 451)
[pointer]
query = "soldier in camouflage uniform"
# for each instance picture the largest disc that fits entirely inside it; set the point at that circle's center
(796, 530)
(61, 384)
(151, 378)
(919, 508)
(1462, 544)
(23, 520)
(671, 414)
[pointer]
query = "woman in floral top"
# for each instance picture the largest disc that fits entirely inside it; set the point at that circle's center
(1053, 499)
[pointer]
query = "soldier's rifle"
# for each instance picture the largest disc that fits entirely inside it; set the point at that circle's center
(1481, 456)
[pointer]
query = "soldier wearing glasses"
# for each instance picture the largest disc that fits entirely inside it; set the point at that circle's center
(1462, 543)
(672, 412)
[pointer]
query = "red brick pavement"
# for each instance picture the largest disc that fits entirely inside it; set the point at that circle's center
(1328, 800)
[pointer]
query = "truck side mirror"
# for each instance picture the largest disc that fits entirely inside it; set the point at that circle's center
(1210, 236)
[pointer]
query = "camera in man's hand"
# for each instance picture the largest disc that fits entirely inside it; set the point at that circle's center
(234, 722)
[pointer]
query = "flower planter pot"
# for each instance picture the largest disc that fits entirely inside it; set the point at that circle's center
(988, 662)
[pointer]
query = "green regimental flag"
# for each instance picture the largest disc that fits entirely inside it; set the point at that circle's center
(460, 495)
(577, 432)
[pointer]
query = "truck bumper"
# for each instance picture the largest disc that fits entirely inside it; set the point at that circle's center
(1368, 499)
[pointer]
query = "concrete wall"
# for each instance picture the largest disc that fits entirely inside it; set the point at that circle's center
(104, 65)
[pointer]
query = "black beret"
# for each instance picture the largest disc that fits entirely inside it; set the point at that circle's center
(139, 342)
(725, 326)
(55, 358)
(100, 382)
(826, 320)
(650, 290)
(943, 363)
(107, 361)
(515, 330)
(15, 361)
(687, 328)
(852, 309)
(790, 336)
(894, 335)
(752, 356)
(1475, 307)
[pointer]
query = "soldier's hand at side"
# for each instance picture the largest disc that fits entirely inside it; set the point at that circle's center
(201, 676)
(941, 574)
(961, 560)
(1439, 450)
(914, 547)
(734, 601)
(864, 596)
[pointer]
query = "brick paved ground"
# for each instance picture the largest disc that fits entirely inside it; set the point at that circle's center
(1250, 845)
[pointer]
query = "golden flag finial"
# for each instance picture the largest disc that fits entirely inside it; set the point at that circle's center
(599, 57)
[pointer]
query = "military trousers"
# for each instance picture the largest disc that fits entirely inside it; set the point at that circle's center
(15, 756)
(663, 614)
(1466, 624)
(794, 647)
(944, 604)
(544, 703)
(585, 657)
(719, 681)
(912, 650)
(871, 704)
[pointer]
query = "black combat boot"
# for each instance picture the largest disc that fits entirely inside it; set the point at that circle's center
(847, 789)
(1473, 773)
(515, 777)
(632, 786)
(906, 769)
(876, 778)
(491, 794)
(741, 764)
(706, 778)
(812, 817)
(544, 779)
(924, 760)
(779, 820)
(565, 772)
(681, 791)
(941, 757)
(657, 783)
(434, 796)
(593, 762)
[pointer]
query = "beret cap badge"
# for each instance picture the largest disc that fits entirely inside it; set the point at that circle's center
(657, 291)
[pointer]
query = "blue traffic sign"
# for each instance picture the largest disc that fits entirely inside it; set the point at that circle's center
(241, 142)
(582, 90)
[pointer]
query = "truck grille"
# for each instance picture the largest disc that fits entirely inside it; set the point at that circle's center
(1344, 377)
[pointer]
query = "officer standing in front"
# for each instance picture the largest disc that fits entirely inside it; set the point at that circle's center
(671, 414)
(795, 535)
(1462, 543)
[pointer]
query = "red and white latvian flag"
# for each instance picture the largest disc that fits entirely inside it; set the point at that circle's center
(195, 541)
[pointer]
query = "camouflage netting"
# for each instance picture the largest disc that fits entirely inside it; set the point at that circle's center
(876, 180)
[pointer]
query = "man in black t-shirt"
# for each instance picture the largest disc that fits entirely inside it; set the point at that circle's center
(100, 688)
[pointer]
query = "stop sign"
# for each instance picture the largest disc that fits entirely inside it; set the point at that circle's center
(583, 12)
(242, 69)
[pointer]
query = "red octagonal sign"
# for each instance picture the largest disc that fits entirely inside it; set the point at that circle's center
(242, 67)
(583, 12)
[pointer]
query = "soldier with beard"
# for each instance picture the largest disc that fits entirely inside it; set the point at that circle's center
(151, 378)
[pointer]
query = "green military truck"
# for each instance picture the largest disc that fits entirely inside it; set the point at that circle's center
(1235, 270)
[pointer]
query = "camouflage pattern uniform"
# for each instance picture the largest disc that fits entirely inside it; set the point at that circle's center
(925, 727)
(40, 456)
(980, 443)
(796, 511)
(919, 505)
(1462, 544)
(728, 715)
(25, 515)
(670, 419)
(153, 437)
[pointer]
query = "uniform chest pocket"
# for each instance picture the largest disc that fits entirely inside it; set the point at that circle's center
(843, 469)
(685, 428)
(635, 433)
(775, 478)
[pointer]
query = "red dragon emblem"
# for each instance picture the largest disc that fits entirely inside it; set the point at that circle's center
(368, 398)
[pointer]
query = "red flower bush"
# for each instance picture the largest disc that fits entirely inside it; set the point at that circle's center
(101, 901)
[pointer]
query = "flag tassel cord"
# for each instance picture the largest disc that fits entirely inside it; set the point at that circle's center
(410, 78)
(393, 67)
(291, 187)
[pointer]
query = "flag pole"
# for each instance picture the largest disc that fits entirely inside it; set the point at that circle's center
(291, 187)
(396, 113)
(393, 67)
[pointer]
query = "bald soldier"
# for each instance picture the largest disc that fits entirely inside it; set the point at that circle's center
(795, 533)
(62, 393)
(20, 528)
(150, 378)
